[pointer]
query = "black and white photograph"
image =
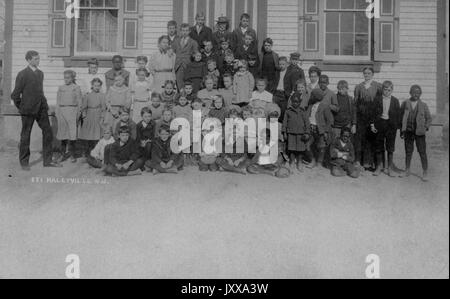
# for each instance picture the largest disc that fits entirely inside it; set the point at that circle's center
(224, 140)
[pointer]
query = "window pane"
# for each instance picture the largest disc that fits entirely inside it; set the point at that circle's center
(362, 45)
(59, 5)
(332, 47)
(347, 4)
(347, 44)
(111, 3)
(332, 22)
(311, 6)
(386, 37)
(361, 4)
(59, 28)
(111, 30)
(97, 3)
(332, 4)
(362, 23)
(311, 36)
(97, 31)
(130, 34)
(387, 7)
(347, 22)
(85, 3)
(83, 40)
(131, 6)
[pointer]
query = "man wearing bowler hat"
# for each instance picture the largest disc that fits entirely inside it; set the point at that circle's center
(222, 33)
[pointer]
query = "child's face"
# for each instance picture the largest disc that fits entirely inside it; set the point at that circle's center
(252, 62)
(295, 103)
(167, 116)
(225, 46)
(107, 135)
(124, 117)
(323, 84)
(183, 101)
(227, 82)
(147, 117)
(93, 69)
(156, 102)
(198, 57)
(416, 94)
(368, 75)
(261, 86)
(246, 114)
(222, 27)
(208, 47)
(218, 104)
(343, 90)
(301, 88)
(188, 89)
(185, 31)
(259, 113)
(387, 91)
(124, 137)
(314, 77)
(119, 81)
(229, 59)
(169, 89)
(209, 84)
(234, 116)
(171, 30)
(96, 87)
(68, 79)
(141, 76)
(283, 65)
(117, 64)
(245, 22)
(267, 47)
(141, 64)
(248, 40)
(164, 135)
(197, 105)
(242, 69)
(345, 137)
(212, 66)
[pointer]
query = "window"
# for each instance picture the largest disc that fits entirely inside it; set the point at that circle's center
(104, 28)
(339, 31)
(347, 30)
(97, 28)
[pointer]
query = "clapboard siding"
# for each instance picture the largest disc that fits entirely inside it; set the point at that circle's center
(418, 42)
(418, 46)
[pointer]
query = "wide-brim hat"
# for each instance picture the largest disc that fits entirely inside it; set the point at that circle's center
(223, 20)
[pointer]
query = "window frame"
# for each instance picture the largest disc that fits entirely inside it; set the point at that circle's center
(347, 58)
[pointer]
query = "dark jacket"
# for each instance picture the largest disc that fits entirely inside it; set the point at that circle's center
(28, 94)
(423, 119)
(293, 74)
(336, 147)
(238, 37)
(122, 154)
(195, 70)
(395, 113)
(296, 121)
(204, 35)
(346, 116)
(324, 118)
(243, 54)
(161, 151)
(147, 133)
(131, 125)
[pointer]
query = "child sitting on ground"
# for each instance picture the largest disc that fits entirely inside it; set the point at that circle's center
(125, 158)
(188, 92)
(145, 133)
(235, 158)
(342, 156)
(163, 159)
(165, 120)
(97, 158)
(207, 159)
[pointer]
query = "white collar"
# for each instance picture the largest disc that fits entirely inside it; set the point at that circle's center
(33, 68)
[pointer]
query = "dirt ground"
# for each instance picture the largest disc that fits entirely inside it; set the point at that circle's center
(197, 225)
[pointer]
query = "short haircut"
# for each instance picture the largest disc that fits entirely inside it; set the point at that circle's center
(315, 69)
(342, 84)
(164, 128)
(73, 74)
(31, 54)
(169, 82)
(172, 23)
(227, 75)
(346, 130)
(185, 25)
(261, 79)
(142, 58)
(197, 100)
(388, 84)
(300, 81)
(283, 58)
(324, 77)
(219, 97)
(117, 57)
(245, 16)
(147, 73)
(107, 129)
(211, 60)
(247, 109)
(208, 77)
(155, 95)
(415, 86)
(124, 130)
(146, 110)
(188, 83)
(96, 80)
(163, 37)
(124, 110)
(229, 53)
(200, 15)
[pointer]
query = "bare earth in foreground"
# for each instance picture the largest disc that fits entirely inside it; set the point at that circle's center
(196, 225)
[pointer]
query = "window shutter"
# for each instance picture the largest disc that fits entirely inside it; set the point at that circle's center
(131, 26)
(387, 32)
(311, 40)
(60, 34)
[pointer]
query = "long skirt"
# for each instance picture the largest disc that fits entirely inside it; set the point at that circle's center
(91, 129)
(67, 123)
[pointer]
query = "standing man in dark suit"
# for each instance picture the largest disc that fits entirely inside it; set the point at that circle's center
(184, 46)
(287, 79)
(200, 32)
(28, 97)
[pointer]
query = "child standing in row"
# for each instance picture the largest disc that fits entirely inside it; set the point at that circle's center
(227, 92)
(117, 97)
(68, 108)
(168, 96)
(243, 83)
(140, 91)
(196, 71)
(346, 116)
(92, 112)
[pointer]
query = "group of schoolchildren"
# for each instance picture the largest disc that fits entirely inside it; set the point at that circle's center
(124, 122)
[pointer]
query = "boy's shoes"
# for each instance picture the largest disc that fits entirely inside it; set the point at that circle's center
(155, 172)
(406, 174)
(300, 167)
(135, 173)
(291, 167)
(53, 165)
(425, 176)
(312, 165)
(391, 173)
(26, 167)
(377, 172)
